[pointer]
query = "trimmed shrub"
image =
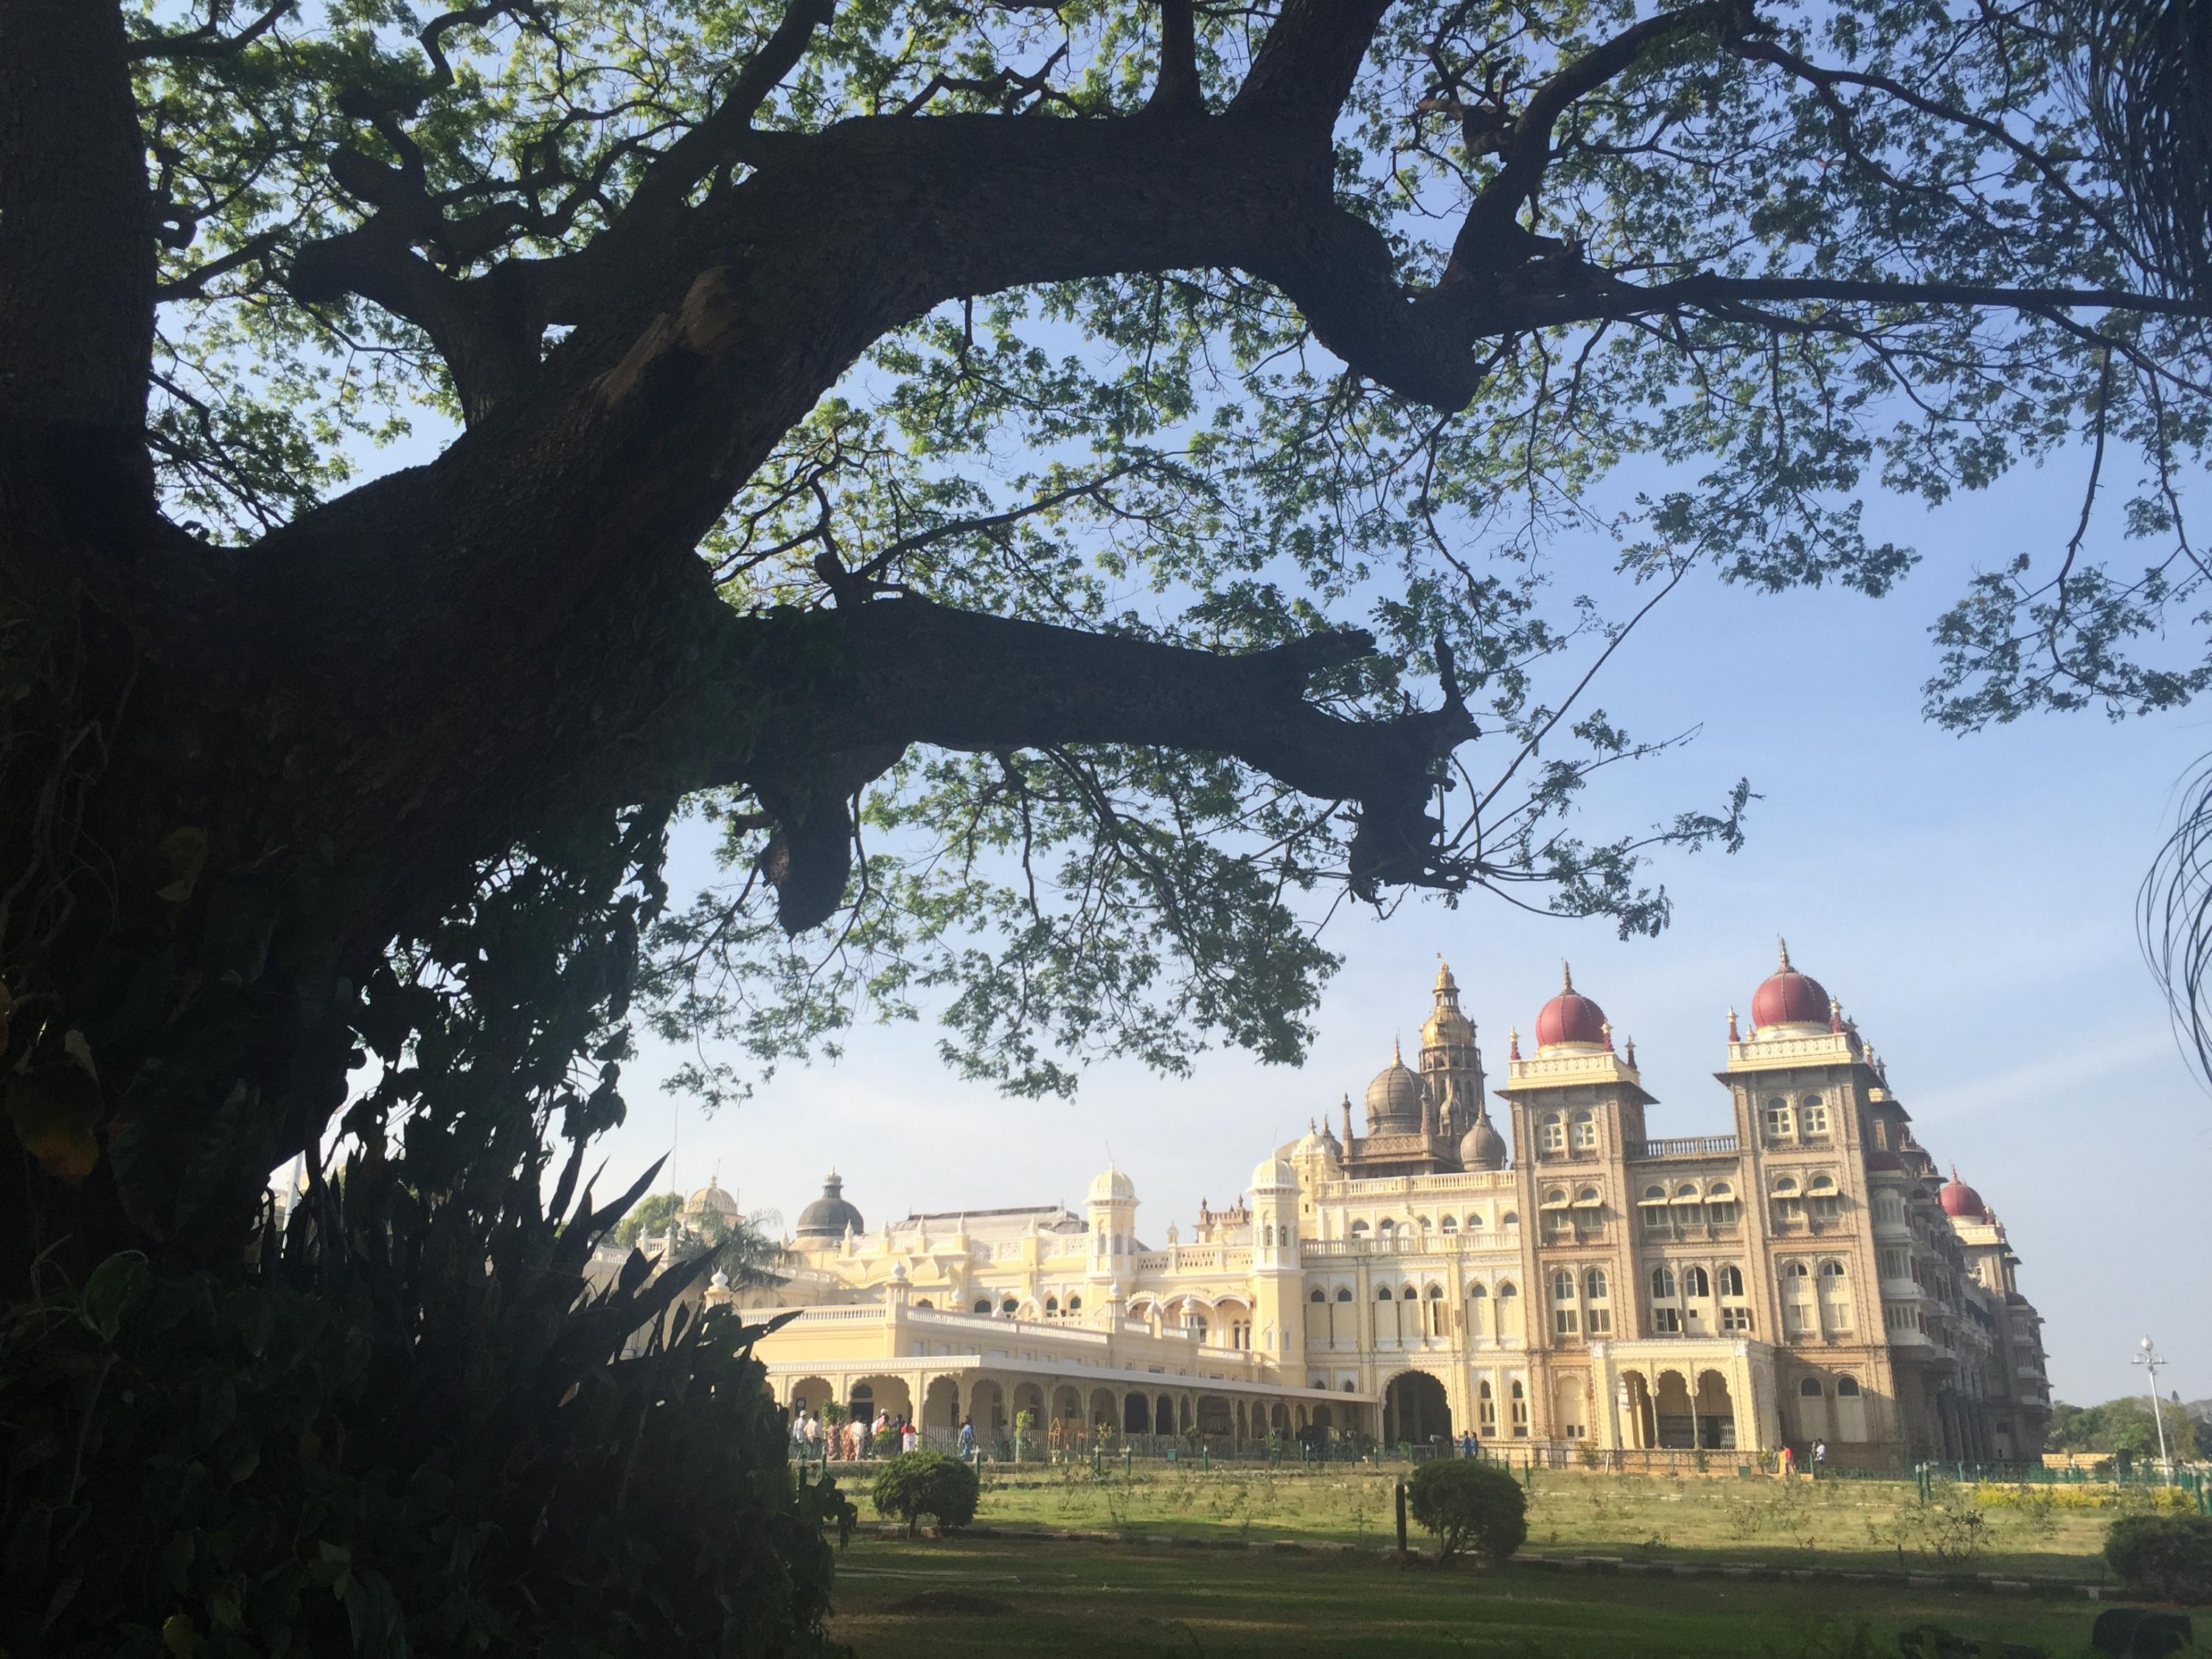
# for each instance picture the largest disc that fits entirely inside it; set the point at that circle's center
(2168, 1557)
(918, 1483)
(1468, 1505)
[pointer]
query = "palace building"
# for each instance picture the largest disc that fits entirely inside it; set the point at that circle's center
(1532, 1261)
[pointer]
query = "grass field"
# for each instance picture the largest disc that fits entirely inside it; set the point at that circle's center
(996, 1596)
(1850, 1525)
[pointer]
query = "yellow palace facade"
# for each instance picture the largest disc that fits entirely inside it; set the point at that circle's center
(1539, 1268)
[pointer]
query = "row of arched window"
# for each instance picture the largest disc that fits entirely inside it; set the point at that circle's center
(1817, 1198)
(1689, 1205)
(1786, 1122)
(1560, 1133)
(1054, 1309)
(1389, 1227)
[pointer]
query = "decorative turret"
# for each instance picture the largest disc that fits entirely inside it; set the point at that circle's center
(1112, 1204)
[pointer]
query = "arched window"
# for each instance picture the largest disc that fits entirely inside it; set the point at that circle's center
(1344, 1296)
(1520, 1398)
(1422, 1222)
(1385, 1228)
(1731, 1280)
(1436, 1313)
(1831, 1270)
(1662, 1282)
(1821, 1198)
(1788, 1206)
(1510, 1218)
(1562, 1285)
(1451, 1224)
(1784, 1185)
(1555, 1198)
(1555, 1132)
(1319, 1297)
(983, 1305)
(1694, 1283)
(1847, 1387)
(1486, 1409)
(1595, 1286)
(1720, 1204)
(1359, 1230)
(925, 1303)
(1408, 1294)
(1778, 1116)
(1813, 1114)
(1810, 1389)
(1508, 1289)
(1585, 1132)
(1796, 1270)
(1477, 1291)
(1009, 1306)
(1474, 1222)
(1383, 1293)
(1656, 1216)
(1075, 1305)
(1052, 1304)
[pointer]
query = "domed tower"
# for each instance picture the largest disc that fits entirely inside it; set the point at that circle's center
(1451, 1061)
(1113, 1211)
(829, 1218)
(1789, 1003)
(1277, 1277)
(1394, 1098)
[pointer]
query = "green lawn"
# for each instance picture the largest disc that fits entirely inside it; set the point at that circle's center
(897, 1600)
(1858, 1526)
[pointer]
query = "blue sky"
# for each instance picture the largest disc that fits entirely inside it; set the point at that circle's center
(1969, 900)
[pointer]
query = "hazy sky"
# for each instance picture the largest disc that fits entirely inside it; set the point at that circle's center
(1969, 900)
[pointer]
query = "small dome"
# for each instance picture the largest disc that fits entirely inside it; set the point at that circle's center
(1270, 1174)
(830, 1216)
(1958, 1199)
(1112, 1186)
(1570, 1016)
(721, 1280)
(711, 1197)
(1482, 1147)
(1789, 998)
(1394, 1099)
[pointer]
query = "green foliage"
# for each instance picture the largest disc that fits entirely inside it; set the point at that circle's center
(2166, 1556)
(651, 1216)
(917, 1483)
(1170, 454)
(206, 1467)
(1468, 1505)
(2123, 1425)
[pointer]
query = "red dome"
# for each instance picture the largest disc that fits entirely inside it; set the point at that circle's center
(1958, 1199)
(1789, 998)
(1570, 1016)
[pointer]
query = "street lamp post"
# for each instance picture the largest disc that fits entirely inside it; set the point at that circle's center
(2150, 1359)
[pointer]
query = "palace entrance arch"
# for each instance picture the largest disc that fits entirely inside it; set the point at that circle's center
(1415, 1411)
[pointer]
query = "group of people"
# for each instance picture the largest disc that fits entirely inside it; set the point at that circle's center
(860, 1437)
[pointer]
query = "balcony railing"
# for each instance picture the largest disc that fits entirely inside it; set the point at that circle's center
(1684, 1146)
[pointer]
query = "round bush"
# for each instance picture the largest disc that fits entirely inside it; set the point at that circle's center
(1469, 1506)
(918, 1483)
(2168, 1557)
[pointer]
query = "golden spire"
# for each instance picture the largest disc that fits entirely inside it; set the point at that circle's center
(1784, 944)
(1566, 977)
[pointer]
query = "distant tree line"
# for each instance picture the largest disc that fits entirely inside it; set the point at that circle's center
(2123, 1427)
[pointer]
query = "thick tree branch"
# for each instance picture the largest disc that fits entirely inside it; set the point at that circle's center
(1526, 149)
(1177, 93)
(668, 183)
(1305, 66)
(850, 689)
(76, 232)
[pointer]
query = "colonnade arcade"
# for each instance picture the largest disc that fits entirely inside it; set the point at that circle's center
(1062, 1409)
